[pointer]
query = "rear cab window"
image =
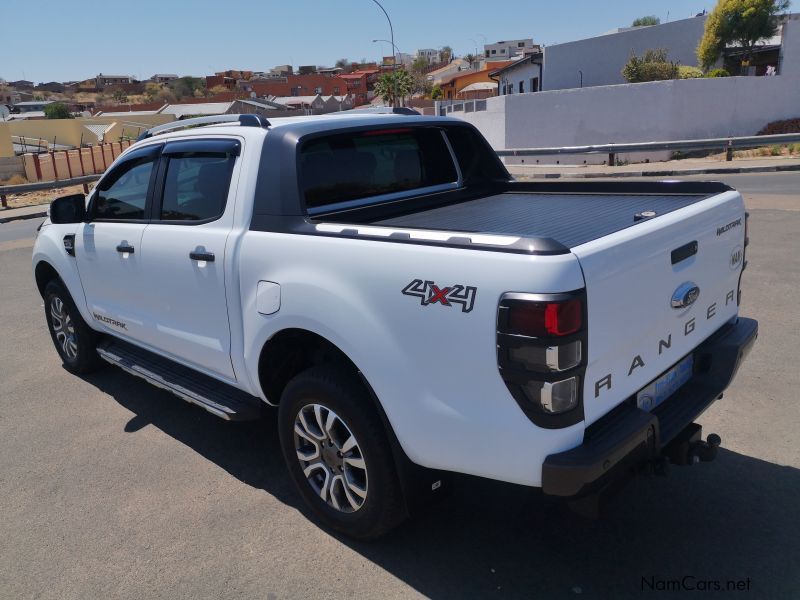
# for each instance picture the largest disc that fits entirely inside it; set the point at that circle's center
(348, 167)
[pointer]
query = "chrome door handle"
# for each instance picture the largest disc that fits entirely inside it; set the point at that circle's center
(206, 256)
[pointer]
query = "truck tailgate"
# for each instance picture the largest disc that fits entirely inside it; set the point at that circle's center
(635, 333)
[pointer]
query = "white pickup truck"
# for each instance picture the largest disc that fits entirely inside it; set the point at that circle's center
(410, 309)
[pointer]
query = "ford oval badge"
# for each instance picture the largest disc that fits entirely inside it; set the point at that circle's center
(685, 295)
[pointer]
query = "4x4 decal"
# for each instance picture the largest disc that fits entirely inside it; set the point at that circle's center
(430, 293)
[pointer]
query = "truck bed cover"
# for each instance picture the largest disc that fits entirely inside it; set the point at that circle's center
(568, 218)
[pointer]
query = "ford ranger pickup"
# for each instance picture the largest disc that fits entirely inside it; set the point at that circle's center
(410, 309)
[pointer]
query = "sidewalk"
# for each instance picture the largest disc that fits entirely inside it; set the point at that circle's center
(689, 166)
(25, 212)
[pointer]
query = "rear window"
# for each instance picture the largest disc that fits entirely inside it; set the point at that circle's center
(357, 165)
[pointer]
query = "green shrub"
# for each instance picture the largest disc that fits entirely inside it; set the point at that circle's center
(775, 151)
(686, 72)
(653, 66)
(718, 73)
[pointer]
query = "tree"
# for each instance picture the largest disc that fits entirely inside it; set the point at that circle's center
(740, 22)
(185, 86)
(652, 66)
(151, 90)
(57, 110)
(420, 64)
(395, 85)
(218, 89)
(470, 58)
(446, 54)
(436, 93)
(645, 21)
(342, 63)
(120, 97)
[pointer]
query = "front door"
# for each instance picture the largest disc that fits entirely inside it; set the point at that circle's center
(108, 248)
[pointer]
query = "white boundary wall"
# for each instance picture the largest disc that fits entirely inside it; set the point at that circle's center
(639, 112)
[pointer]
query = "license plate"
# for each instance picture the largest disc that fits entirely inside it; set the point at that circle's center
(666, 385)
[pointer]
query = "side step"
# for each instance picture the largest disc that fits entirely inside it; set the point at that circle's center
(216, 397)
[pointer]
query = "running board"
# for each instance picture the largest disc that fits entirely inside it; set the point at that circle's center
(218, 398)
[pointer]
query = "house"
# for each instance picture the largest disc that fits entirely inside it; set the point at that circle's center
(453, 68)
(163, 77)
(508, 49)
(31, 106)
(55, 87)
(308, 104)
(453, 85)
(521, 76)
(102, 81)
(360, 85)
(430, 54)
(298, 85)
(599, 60)
(21, 84)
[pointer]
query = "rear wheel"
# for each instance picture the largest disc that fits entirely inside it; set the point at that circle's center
(74, 340)
(338, 454)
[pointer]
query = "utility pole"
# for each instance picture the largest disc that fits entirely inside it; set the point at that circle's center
(394, 62)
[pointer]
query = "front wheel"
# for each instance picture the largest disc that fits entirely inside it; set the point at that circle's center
(338, 454)
(74, 340)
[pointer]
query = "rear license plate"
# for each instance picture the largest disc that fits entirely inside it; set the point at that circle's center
(666, 385)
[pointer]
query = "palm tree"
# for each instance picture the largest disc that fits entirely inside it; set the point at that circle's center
(470, 58)
(394, 85)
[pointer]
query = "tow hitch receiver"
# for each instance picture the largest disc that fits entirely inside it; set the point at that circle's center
(689, 449)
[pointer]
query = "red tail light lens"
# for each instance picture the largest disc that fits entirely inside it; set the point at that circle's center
(538, 319)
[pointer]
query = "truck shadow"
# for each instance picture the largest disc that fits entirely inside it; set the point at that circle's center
(734, 520)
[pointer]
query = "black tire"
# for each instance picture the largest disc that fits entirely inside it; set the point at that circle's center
(75, 341)
(382, 508)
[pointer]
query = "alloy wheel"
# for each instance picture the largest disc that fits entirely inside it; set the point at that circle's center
(63, 328)
(330, 458)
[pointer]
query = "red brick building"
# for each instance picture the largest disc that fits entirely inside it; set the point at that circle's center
(300, 85)
(360, 84)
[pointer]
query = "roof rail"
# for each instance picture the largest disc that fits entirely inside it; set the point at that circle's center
(384, 110)
(247, 120)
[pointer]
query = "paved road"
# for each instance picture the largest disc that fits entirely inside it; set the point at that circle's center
(111, 488)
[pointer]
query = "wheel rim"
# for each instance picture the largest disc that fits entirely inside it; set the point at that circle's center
(330, 458)
(63, 328)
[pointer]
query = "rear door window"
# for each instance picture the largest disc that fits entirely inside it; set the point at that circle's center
(196, 180)
(350, 166)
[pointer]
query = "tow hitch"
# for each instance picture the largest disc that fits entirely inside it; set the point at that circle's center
(689, 449)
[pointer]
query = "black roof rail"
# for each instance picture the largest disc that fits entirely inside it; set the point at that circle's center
(246, 120)
(384, 110)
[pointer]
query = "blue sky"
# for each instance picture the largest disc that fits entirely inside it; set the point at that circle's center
(66, 40)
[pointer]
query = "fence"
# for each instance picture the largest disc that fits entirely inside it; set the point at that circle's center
(69, 164)
(723, 144)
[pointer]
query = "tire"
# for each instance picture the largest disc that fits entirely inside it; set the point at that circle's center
(350, 486)
(75, 341)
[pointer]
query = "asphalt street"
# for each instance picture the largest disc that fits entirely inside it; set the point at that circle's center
(114, 489)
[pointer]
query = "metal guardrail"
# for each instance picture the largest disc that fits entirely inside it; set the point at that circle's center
(45, 185)
(726, 144)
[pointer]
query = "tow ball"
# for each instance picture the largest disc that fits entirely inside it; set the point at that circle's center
(689, 449)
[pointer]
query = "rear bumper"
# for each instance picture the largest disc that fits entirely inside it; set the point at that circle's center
(629, 436)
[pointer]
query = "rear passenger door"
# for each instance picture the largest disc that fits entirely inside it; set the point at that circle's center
(184, 258)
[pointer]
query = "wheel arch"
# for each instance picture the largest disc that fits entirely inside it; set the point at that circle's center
(44, 272)
(291, 351)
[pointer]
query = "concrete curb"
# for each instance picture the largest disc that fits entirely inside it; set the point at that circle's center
(664, 173)
(22, 216)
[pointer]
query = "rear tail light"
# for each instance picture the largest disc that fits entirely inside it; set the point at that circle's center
(541, 352)
(539, 319)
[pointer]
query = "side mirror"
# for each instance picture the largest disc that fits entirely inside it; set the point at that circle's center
(68, 209)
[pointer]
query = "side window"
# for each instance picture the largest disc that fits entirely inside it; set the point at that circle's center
(122, 194)
(349, 166)
(196, 185)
